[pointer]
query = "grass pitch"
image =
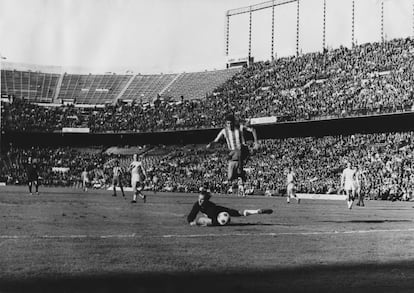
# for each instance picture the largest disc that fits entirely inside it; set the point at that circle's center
(65, 240)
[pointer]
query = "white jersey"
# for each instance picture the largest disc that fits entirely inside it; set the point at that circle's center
(348, 178)
(291, 178)
(137, 169)
(84, 176)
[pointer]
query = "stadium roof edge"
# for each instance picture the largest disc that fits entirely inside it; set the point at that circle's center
(83, 70)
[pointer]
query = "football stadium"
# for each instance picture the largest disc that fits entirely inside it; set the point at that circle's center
(286, 166)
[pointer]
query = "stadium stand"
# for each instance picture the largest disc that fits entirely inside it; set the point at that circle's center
(92, 89)
(369, 79)
(32, 86)
(197, 85)
(145, 88)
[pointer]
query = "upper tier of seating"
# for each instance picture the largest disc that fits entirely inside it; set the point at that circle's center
(36, 86)
(92, 89)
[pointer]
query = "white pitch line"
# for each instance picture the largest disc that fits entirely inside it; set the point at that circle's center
(271, 234)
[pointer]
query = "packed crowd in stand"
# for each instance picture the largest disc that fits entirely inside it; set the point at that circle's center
(386, 160)
(368, 79)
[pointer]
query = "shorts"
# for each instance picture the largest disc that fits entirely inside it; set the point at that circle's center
(357, 188)
(290, 188)
(233, 171)
(349, 186)
(137, 182)
(116, 181)
(243, 154)
(32, 178)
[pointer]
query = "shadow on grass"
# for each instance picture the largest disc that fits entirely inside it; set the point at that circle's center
(363, 277)
(248, 224)
(368, 221)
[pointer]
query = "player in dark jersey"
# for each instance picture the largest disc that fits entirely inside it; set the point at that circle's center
(211, 210)
(117, 178)
(32, 175)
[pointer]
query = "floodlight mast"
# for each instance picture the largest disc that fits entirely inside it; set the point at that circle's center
(250, 9)
(1, 109)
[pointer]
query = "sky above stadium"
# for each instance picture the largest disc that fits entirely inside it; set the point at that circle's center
(163, 36)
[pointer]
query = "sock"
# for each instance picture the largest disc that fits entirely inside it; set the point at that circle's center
(288, 199)
(135, 197)
(250, 212)
(30, 187)
(37, 187)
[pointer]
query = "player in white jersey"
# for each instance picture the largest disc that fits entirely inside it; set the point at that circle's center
(348, 184)
(138, 177)
(117, 178)
(360, 182)
(290, 186)
(233, 133)
(241, 190)
(85, 179)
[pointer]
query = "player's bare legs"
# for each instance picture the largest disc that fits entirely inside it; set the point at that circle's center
(30, 184)
(360, 198)
(350, 198)
(137, 192)
(122, 189)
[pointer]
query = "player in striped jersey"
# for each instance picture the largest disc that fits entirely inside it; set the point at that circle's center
(117, 178)
(233, 133)
(360, 183)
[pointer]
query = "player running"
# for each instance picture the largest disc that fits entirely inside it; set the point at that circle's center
(360, 182)
(117, 178)
(291, 189)
(234, 135)
(32, 175)
(348, 184)
(138, 176)
(211, 211)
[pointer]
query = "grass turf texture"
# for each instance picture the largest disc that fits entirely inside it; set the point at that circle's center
(65, 240)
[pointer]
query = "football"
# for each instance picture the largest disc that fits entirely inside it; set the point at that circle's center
(223, 218)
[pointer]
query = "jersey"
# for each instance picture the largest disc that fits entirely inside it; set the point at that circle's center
(359, 179)
(117, 171)
(137, 169)
(32, 173)
(348, 178)
(84, 176)
(234, 138)
(291, 178)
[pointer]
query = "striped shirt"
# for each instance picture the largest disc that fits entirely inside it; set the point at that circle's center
(234, 138)
(117, 171)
